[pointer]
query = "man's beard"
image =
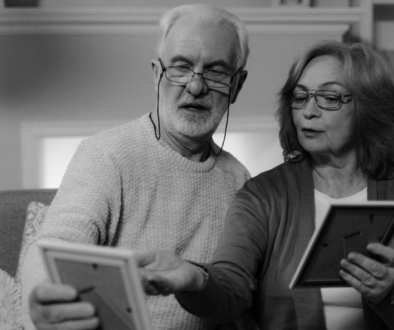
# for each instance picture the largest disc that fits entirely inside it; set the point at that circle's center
(199, 123)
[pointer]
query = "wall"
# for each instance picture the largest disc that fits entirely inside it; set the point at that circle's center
(384, 25)
(103, 73)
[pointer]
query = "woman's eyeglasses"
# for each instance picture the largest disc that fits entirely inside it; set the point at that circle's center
(326, 100)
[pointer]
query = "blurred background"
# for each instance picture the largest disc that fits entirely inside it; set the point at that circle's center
(71, 68)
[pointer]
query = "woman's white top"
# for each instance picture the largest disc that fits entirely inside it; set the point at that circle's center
(342, 306)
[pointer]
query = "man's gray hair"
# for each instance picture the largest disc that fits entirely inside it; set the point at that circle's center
(207, 13)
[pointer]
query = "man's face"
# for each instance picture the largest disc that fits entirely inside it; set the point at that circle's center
(193, 110)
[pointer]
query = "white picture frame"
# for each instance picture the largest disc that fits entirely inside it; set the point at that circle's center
(107, 277)
(291, 3)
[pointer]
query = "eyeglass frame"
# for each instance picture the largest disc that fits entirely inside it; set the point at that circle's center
(164, 70)
(309, 96)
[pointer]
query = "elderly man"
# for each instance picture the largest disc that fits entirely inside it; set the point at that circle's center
(159, 181)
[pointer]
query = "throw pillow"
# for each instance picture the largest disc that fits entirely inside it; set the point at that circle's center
(10, 303)
(35, 216)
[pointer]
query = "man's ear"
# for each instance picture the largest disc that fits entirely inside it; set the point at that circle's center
(240, 82)
(156, 72)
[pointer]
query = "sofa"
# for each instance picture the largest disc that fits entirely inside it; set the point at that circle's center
(19, 212)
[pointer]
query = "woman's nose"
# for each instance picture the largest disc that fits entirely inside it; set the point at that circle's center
(311, 109)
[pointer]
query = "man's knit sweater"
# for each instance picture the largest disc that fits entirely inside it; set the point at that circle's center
(124, 188)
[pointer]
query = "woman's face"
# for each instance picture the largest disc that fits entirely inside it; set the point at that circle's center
(320, 132)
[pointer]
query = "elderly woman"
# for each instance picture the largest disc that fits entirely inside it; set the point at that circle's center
(336, 114)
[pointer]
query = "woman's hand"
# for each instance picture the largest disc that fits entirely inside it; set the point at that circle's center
(55, 306)
(163, 273)
(373, 279)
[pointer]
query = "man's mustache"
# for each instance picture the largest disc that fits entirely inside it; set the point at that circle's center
(199, 104)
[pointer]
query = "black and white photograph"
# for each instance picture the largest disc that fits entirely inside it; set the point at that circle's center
(196, 164)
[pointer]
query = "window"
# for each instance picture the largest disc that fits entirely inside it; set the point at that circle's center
(48, 148)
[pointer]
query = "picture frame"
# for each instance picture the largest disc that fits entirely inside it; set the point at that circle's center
(290, 3)
(346, 228)
(106, 277)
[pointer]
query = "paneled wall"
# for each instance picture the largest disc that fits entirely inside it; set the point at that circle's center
(87, 63)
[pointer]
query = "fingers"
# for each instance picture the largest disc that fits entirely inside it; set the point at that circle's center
(48, 292)
(370, 290)
(150, 284)
(358, 278)
(370, 269)
(163, 272)
(371, 278)
(355, 283)
(155, 283)
(66, 324)
(151, 264)
(55, 307)
(145, 258)
(384, 252)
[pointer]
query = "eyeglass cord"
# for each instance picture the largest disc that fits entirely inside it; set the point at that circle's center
(157, 135)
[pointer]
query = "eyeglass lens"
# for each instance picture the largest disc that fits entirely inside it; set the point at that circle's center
(211, 78)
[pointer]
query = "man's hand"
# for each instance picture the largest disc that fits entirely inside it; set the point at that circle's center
(55, 306)
(373, 279)
(163, 273)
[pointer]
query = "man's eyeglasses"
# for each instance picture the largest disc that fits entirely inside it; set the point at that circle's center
(326, 100)
(183, 75)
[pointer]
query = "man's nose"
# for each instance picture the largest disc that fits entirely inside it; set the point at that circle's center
(197, 86)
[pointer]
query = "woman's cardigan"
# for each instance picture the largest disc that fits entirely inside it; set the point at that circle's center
(268, 227)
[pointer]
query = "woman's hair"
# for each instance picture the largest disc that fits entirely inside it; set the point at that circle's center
(207, 13)
(369, 78)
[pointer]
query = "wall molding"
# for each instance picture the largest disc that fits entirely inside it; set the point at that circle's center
(143, 21)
